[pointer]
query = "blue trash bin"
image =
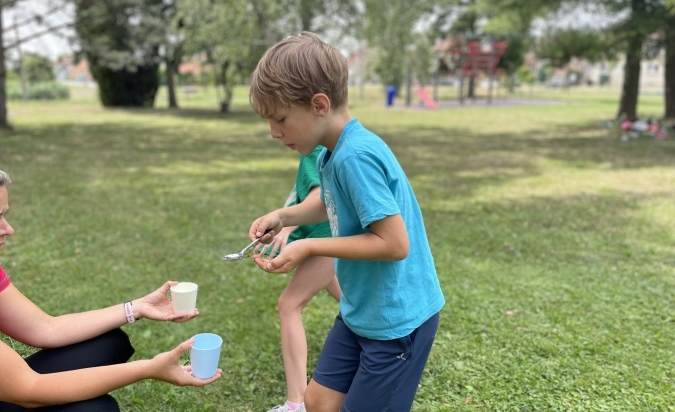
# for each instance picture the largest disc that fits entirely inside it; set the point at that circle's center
(391, 93)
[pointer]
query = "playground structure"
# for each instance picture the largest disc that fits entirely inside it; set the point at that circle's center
(468, 59)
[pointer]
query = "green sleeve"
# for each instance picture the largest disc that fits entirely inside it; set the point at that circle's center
(307, 176)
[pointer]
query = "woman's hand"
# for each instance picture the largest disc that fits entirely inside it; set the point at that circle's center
(167, 367)
(157, 306)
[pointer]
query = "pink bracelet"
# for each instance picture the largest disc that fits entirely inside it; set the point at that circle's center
(129, 312)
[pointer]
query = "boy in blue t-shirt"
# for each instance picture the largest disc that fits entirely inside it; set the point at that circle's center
(374, 355)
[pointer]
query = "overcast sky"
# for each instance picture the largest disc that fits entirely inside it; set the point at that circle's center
(50, 45)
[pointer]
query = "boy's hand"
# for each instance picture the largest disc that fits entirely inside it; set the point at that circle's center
(279, 242)
(288, 259)
(265, 227)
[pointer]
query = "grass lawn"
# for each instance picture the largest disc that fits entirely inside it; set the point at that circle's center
(554, 243)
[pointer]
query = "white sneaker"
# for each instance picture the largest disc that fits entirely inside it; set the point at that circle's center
(284, 408)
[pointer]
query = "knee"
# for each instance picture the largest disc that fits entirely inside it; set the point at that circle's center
(288, 305)
(311, 402)
(105, 403)
(117, 342)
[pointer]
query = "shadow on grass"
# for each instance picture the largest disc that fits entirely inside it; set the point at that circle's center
(238, 115)
(551, 285)
(432, 156)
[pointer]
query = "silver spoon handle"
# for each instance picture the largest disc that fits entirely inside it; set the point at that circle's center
(255, 242)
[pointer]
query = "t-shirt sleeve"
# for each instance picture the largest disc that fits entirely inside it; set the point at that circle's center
(307, 177)
(370, 188)
(4, 279)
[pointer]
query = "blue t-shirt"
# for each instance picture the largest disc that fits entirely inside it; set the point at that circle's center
(361, 183)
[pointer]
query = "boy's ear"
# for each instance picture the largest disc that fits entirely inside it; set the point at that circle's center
(320, 104)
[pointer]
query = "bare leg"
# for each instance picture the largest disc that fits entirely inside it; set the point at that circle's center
(310, 277)
(334, 288)
(319, 398)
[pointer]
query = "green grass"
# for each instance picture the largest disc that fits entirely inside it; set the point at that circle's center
(553, 240)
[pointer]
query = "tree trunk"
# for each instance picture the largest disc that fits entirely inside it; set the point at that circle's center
(669, 92)
(171, 85)
(227, 88)
(471, 93)
(3, 78)
(631, 79)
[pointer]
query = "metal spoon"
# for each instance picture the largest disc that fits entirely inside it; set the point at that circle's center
(240, 255)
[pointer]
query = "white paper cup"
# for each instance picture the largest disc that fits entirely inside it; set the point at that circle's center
(184, 297)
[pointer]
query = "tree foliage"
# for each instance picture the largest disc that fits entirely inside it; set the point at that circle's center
(559, 46)
(36, 68)
(45, 27)
(121, 41)
(389, 29)
(234, 34)
(669, 44)
(230, 34)
(644, 17)
(125, 41)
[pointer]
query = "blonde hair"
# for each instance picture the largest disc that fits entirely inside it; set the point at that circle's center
(4, 179)
(292, 71)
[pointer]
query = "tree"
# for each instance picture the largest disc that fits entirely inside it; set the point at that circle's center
(121, 41)
(37, 68)
(171, 50)
(640, 23)
(512, 22)
(234, 34)
(225, 33)
(389, 29)
(44, 25)
(559, 46)
(642, 18)
(669, 40)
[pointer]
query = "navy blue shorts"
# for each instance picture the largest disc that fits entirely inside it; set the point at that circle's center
(375, 375)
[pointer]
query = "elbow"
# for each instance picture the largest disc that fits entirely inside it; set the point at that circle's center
(26, 398)
(31, 404)
(400, 250)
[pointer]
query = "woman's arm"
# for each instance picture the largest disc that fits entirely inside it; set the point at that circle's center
(24, 321)
(21, 385)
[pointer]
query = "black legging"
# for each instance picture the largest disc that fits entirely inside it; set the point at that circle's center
(108, 349)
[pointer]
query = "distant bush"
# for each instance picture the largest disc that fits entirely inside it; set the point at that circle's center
(39, 91)
(37, 68)
(125, 88)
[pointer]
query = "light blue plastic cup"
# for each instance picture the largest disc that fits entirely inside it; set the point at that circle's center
(205, 354)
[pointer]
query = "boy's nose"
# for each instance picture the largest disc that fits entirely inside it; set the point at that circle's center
(275, 133)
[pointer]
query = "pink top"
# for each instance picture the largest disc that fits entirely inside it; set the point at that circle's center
(4, 279)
